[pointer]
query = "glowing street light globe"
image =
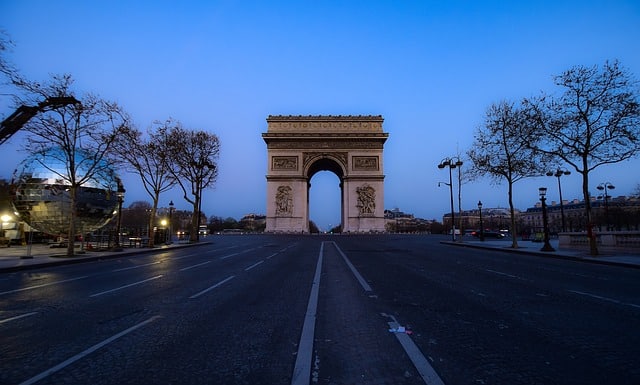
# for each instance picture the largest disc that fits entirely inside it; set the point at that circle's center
(41, 196)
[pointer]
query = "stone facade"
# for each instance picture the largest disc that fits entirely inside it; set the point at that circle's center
(349, 146)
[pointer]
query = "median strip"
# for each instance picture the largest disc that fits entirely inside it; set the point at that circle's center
(302, 369)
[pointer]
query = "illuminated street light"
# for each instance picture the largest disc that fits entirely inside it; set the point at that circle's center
(3, 219)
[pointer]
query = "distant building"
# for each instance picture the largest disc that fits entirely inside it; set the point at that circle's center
(618, 214)
(498, 218)
(253, 222)
(397, 221)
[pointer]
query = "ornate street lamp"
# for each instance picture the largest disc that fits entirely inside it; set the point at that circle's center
(120, 195)
(451, 164)
(606, 186)
(545, 222)
(171, 222)
(558, 173)
(481, 226)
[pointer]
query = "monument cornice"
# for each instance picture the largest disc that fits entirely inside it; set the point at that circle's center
(328, 118)
(316, 145)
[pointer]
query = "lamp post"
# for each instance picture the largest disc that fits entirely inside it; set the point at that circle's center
(545, 223)
(606, 186)
(4, 218)
(481, 226)
(171, 222)
(120, 195)
(448, 162)
(165, 228)
(558, 173)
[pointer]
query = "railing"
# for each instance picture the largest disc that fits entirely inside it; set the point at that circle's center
(615, 240)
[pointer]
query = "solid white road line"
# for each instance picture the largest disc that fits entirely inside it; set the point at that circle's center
(425, 369)
(254, 265)
(42, 285)
(212, 287)
(18, 317)
(302, 369)
(192, 266)
(505, 274)
(604, 298)
(355, 272)
(136, 267)
(85, 353)
(126, 286)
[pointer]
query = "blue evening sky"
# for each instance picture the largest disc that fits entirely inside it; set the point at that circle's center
(430, 68)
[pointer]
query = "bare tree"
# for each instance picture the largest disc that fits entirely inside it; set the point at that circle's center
(194, 154)
(83, 135)
(594, 122)
(502, 151)
(5, 44)
(149, 158)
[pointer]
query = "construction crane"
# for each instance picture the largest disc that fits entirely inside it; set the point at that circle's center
(13, 123)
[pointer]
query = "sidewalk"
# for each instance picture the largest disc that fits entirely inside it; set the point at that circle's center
(17, 258)
(619, 258)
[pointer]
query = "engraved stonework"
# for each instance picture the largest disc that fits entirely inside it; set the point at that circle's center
(349, 146)
(310, 157)
(284, 201)
(365, 163)
(366, 199)
(284, 163)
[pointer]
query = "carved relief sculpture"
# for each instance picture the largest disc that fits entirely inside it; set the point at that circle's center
(365, 163)
(284, 201)
(349, 146)
(366, 199)
(284, 163)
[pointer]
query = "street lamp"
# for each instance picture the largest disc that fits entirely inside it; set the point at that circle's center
(606, 186)
(4, 218)
(481, 227)
(558, 173)
(171, 222)
(451, 164)
(120, 195)
(543, 199)
(164, 224)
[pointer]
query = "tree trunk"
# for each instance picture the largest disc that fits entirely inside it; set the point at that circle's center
(71, 235)
(152, 218)
(512, 214)
(193, 237)
(593, 246)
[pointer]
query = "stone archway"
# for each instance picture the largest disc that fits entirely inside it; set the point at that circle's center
(349, 146)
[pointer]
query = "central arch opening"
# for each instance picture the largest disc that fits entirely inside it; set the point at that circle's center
(325, 194)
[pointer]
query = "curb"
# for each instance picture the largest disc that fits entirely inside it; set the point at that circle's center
(64, 260)
(593, 260)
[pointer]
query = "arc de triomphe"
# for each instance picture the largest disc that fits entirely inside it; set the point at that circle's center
(349, 146)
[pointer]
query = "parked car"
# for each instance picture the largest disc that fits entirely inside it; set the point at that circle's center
(488, 234)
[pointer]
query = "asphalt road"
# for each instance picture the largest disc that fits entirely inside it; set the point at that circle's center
(309, 309)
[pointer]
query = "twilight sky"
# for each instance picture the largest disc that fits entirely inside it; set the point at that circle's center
(430, 68)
